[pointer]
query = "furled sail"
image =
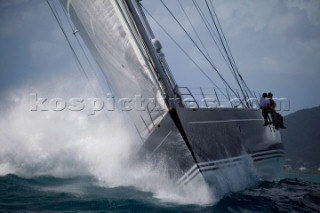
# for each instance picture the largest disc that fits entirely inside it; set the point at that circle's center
(111, 37)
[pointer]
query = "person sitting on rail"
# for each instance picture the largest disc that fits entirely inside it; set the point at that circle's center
(264, 106)
(277, 119)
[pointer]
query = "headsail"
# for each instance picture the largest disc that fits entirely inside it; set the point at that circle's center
(118, 49)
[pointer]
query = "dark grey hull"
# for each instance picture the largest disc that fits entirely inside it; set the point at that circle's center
(200, 142)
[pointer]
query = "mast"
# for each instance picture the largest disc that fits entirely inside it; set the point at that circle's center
(154, 48)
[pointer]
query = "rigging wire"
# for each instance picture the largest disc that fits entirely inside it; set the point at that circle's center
(246, 89)
(223, 43)
(211, 31)
(218, 42)
(74, 53)
(55, 14)
(75, 33)
(212, 65)
(184, 51)
(194, 30)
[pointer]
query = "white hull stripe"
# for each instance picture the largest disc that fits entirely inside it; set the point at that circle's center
(223, 121)
(267, 157)
(213, 165)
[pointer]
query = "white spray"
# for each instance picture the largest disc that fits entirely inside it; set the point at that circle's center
(70, 143)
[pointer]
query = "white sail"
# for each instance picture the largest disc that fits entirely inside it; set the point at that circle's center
(110, 36)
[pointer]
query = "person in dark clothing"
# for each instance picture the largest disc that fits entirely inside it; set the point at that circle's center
(264, 104)
(277, 118)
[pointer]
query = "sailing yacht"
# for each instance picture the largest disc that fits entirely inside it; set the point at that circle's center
(192, 133)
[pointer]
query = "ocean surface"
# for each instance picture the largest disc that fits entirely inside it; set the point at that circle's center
(72, 162)
(297, 193)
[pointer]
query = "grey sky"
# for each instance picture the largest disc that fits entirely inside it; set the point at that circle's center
(35, 57)
(275, 43)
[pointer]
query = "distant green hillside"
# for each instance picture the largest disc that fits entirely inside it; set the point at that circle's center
(302, 137)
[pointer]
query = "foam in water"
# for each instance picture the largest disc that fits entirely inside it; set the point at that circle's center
(235, 178)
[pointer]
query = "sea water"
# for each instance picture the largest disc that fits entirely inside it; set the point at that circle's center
(47, 193)
(69, 161)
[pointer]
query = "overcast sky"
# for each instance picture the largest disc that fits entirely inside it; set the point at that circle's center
(276, 45)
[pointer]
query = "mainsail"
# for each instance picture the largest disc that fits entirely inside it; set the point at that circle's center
(116, 44)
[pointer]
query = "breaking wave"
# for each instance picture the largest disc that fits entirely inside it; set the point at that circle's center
(66, 144)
